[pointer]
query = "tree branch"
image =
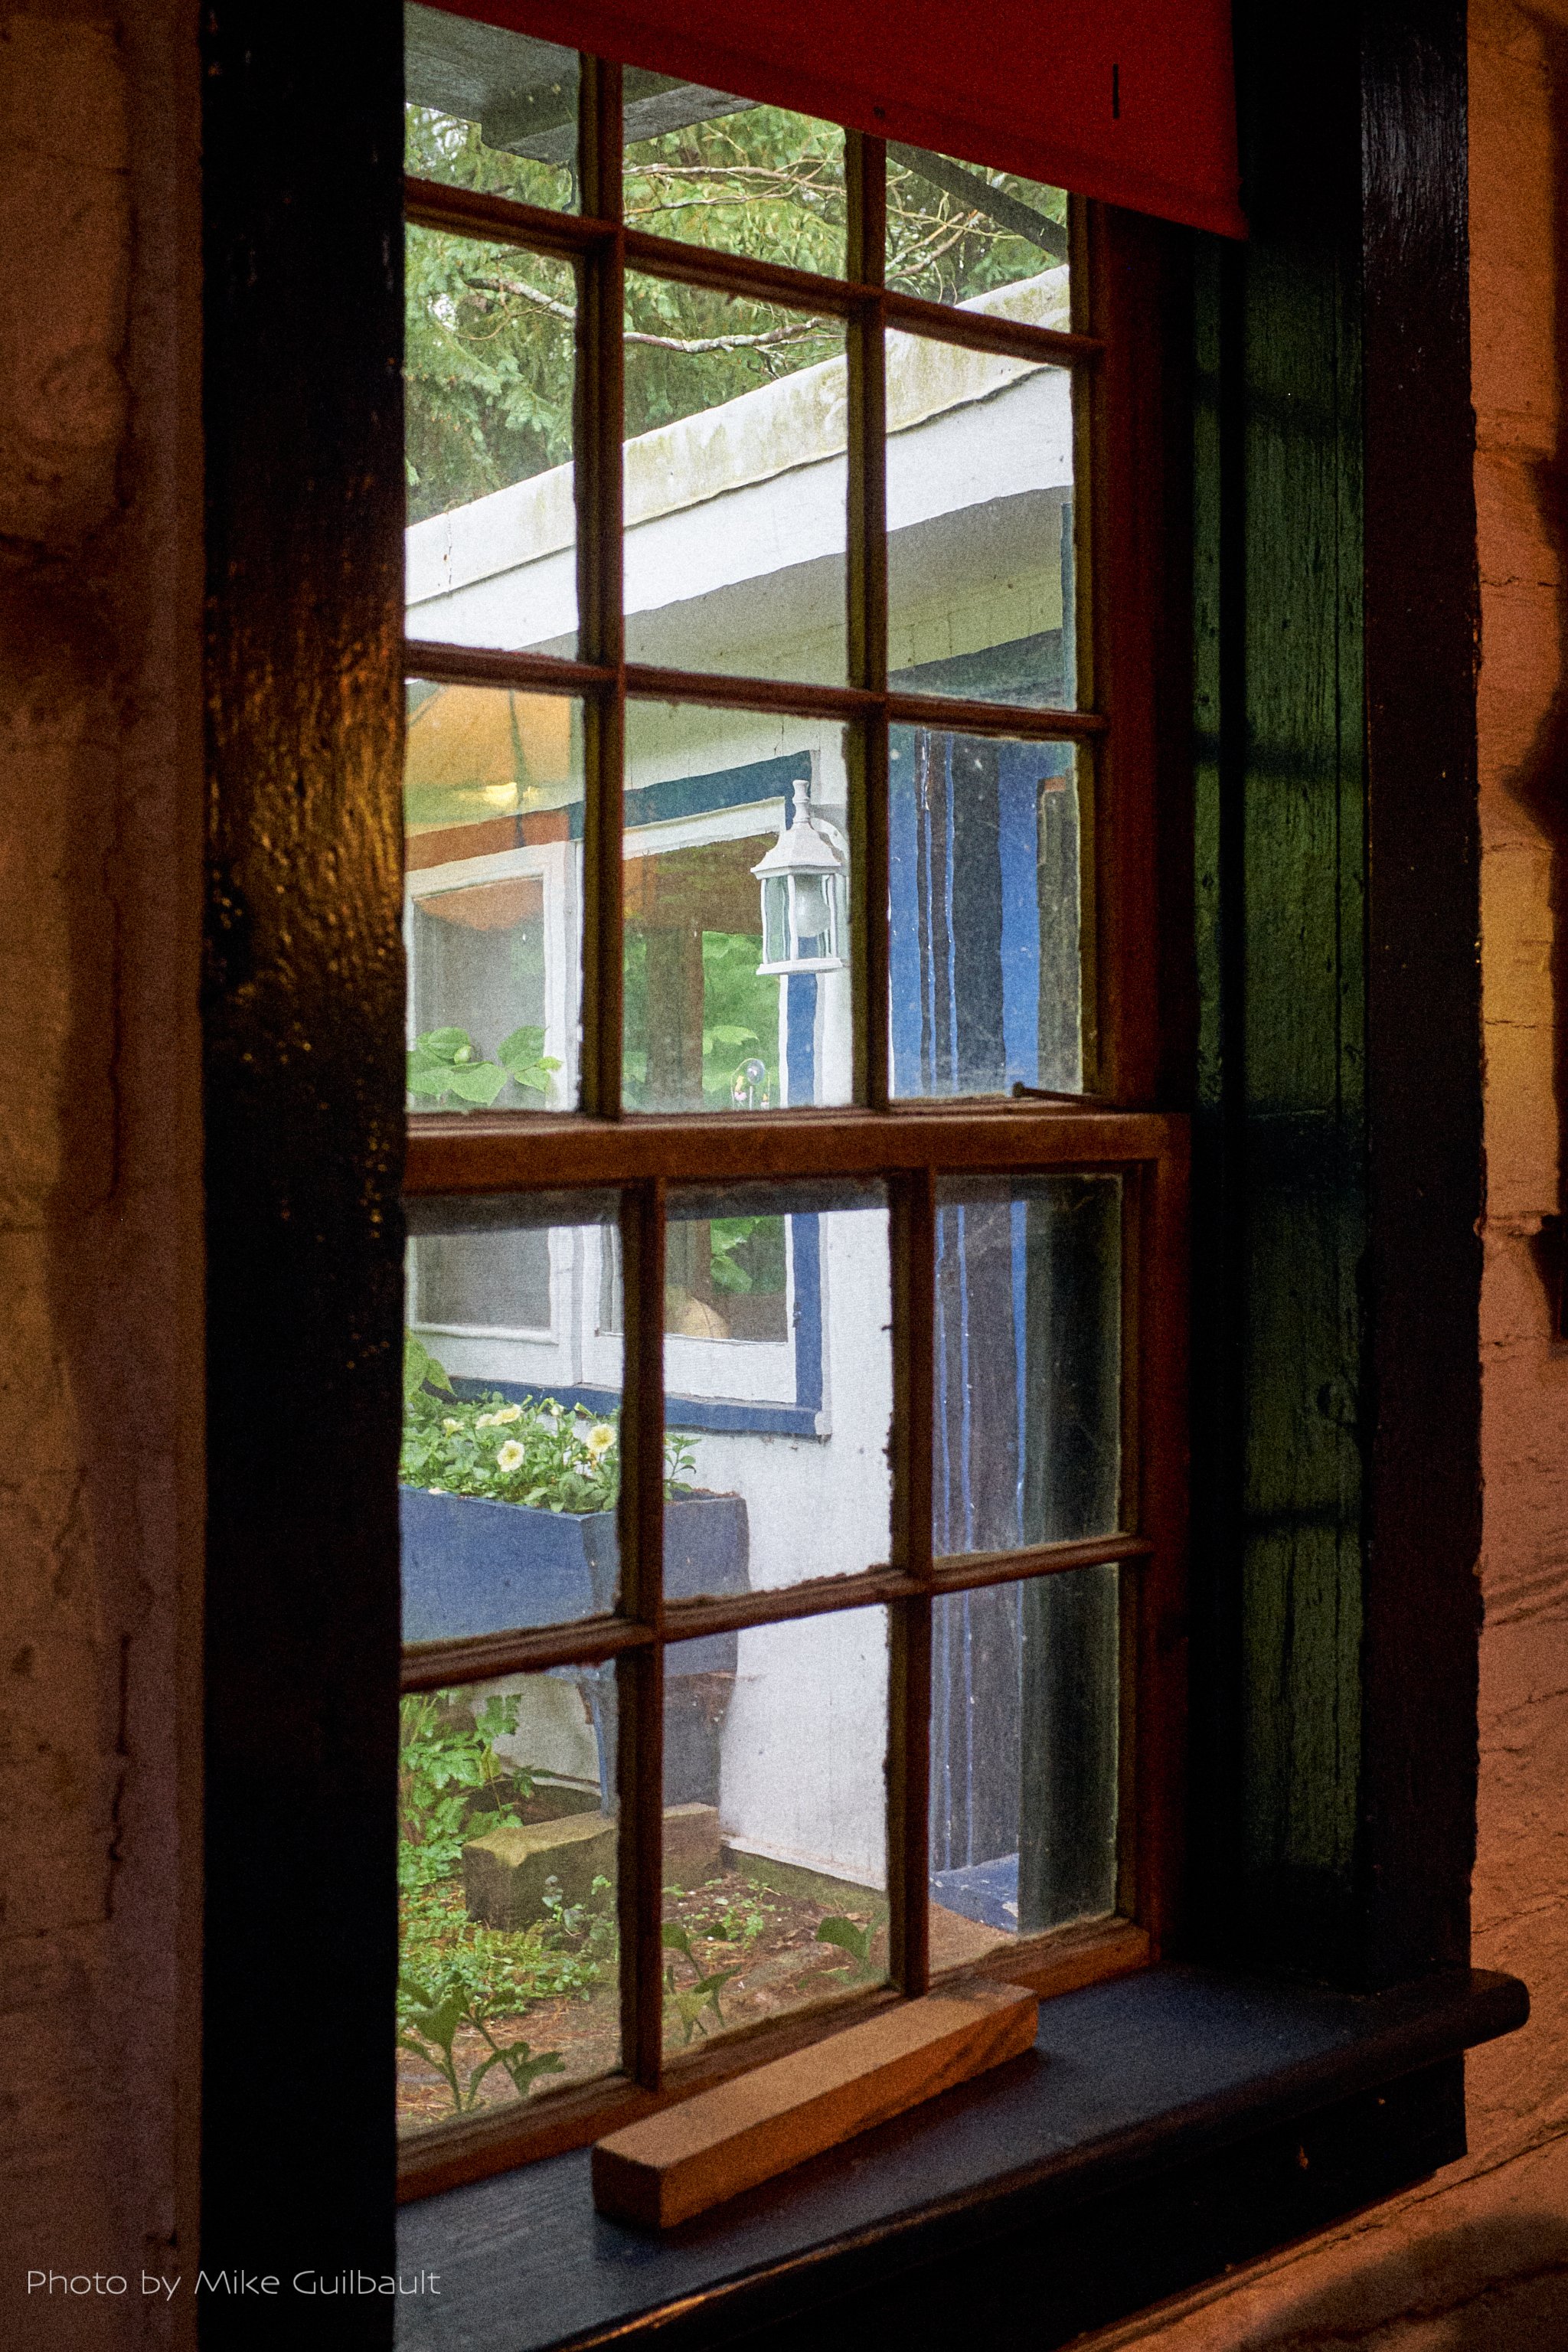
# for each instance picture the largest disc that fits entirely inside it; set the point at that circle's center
(694, 347)
(971, 189)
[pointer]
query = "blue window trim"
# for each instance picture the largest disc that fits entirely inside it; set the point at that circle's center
(724, 788)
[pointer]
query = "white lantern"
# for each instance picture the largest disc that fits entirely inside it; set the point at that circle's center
(803, 883)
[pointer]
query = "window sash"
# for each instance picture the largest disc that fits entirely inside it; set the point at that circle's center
(456, 1163)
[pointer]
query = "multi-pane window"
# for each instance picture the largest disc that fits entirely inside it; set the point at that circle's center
(790, 1518)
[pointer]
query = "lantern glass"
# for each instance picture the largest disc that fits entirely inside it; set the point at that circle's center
(813, 915)
(776, 918)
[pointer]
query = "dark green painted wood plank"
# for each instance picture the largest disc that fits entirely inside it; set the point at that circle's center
(1336, 1422)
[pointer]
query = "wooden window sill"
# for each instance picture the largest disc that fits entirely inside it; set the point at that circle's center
(1164, 2124)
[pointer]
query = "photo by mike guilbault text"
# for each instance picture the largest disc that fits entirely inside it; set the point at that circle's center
(158, 2283)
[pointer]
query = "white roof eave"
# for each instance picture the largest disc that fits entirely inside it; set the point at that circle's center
(793, 428)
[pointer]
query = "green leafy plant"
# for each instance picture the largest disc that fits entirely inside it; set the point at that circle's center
(732, 1927)
(539, 1453)
(446, 1756)
(689, 2002)
(432, 2012)
(590, 1925)
(507, 1969)
(747, 1253)
(444, 1064)
(856, 1941)
(421, 1372)
(740, 1013)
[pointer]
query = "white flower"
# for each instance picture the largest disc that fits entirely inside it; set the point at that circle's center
(510, 1456)
(487, 1420)
(449, 1424)
(508, 1412)
(600, 1439)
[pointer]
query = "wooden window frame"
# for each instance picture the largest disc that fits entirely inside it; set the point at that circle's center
(1319, 687)
(1113, 350)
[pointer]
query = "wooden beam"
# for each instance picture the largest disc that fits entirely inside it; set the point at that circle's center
(668, 2166)
(491, 1153)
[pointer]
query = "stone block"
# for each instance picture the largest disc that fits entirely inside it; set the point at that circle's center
(504, 1873)
(691, 1853)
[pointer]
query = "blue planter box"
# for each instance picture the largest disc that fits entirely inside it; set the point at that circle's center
(475, 1567)
(471, 1566)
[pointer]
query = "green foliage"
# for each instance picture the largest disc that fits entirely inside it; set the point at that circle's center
(856, 1941)
(747, 1253)
(764, 183)
(446, 1754)
(457, 1977)
(420, 1369)
(445, 1065)
(722, 1918)
(740, 1016)
(739, 1013)
(488, 396)
(537, 1452)
(568, 1954)
(592, 1925)
(689, 2002)
(432, 2012)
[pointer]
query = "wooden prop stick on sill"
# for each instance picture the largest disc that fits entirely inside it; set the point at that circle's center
(673, 2165)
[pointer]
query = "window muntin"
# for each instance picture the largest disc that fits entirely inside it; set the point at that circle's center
(993, 694)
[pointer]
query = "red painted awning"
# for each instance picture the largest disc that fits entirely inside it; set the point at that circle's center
(1132, 100)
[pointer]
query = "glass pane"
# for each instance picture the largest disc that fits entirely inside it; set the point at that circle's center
(489, 368)
(725, 172)
(778, 1386)
(956, 230)
(509, 1955)
(1025, 1694)
(736, 485)
(510, 1455)
(986, 888)
(493, 817)
(775, 1745)
(980, 533)
(1027, 1438)
(488, 108)
(709, 795)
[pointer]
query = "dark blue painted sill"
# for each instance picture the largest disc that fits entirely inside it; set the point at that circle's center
(1135, 2089)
